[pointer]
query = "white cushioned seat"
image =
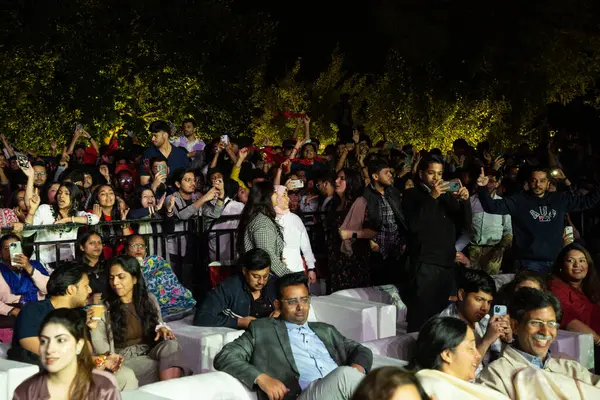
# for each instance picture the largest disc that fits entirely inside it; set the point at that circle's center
(12, 374)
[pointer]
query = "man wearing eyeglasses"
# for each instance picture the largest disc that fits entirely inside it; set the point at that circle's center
(288, 358)
(527, 365)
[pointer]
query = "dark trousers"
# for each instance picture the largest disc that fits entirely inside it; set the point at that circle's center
(387, 271)
(426, 292)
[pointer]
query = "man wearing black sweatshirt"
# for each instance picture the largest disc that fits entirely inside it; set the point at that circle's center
(537, 218)
(435, 217)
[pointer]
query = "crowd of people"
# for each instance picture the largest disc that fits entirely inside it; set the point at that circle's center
(98, 252)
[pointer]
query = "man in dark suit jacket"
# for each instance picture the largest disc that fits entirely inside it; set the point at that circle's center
(288, 358)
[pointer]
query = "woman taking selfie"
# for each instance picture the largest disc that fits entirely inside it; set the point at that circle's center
(132, 326)
(69, 372)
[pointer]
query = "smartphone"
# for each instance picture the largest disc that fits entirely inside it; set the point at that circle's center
(78, 127)
(554, 172)
(22, 160)
(296, 184)
(453, 186)
(14, 248)
(225, 139)
(308, 141)
(568, 231)
(500, 310)
(409, 159)
(162, 169)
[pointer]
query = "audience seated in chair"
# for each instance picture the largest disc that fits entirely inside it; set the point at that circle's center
(446, 360)
(288, 358)
(243, 298)
(21, 282)
(527, 366)
(476, 291)
(132, 326)
(174, 299)
(68, 287)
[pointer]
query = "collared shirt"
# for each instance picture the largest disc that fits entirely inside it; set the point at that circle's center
(480, 330)
(486, 229)
(310, 354)
(388, 236)
(533, 360)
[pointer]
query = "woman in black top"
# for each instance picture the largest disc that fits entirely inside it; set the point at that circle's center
(90, 253)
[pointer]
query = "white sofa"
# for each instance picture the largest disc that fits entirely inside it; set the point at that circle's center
(12, 374)
(355, 320)
(214, 386)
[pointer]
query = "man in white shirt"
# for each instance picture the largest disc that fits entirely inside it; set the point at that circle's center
(189, 141)
(489, 235)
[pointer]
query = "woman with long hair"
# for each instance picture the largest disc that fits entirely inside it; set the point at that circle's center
(174, 299)
(132, 326)
(89, 252)
(575, 283)
(106, 208)
(65, 211)
(145, 205)
(446, 358)
(258, 227)
(348, 259)
(390, 383)
(69, 372)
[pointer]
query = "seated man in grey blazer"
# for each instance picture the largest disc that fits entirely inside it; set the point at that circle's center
(288, 358)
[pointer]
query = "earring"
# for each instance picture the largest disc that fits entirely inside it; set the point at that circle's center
(78, 351)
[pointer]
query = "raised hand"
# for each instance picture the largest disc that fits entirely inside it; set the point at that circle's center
(498, 163)
(439, 188)
(482, 180)
(104, 172)
(97, 210)
(35, 201)
(463, 192)
(27, 170)
(161, 202)
(171, 205)
(243, 153)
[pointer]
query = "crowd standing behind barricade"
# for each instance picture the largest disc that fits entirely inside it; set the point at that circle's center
(156, 228)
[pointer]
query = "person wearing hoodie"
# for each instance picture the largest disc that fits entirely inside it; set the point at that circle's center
(537, 218)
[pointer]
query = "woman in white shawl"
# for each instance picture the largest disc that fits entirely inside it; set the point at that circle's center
(446, 360)
(297, 243)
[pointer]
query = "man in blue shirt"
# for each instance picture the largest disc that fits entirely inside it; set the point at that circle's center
(289, 358)
(161, 147)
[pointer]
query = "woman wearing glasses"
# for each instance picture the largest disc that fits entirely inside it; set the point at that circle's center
(173, 298)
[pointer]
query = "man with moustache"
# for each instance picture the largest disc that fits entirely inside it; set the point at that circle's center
(535, 317)
(537, 217)
(289, 358)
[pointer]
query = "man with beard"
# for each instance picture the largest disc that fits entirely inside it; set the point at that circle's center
(535, 317)
(435, 216)
(176, 156)
(189, 141)
(537, 217)
(384, 213)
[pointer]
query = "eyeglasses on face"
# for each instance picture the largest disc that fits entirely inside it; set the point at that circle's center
(539, 324)
(294, 302)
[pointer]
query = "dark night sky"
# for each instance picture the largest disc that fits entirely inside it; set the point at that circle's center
(312, 30)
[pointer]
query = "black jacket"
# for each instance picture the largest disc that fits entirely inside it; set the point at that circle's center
(434, 225)
(374, 200)
(229, 298)
(538, 222)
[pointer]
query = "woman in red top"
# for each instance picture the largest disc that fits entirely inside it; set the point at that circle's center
(575, 283)
(106, 207)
